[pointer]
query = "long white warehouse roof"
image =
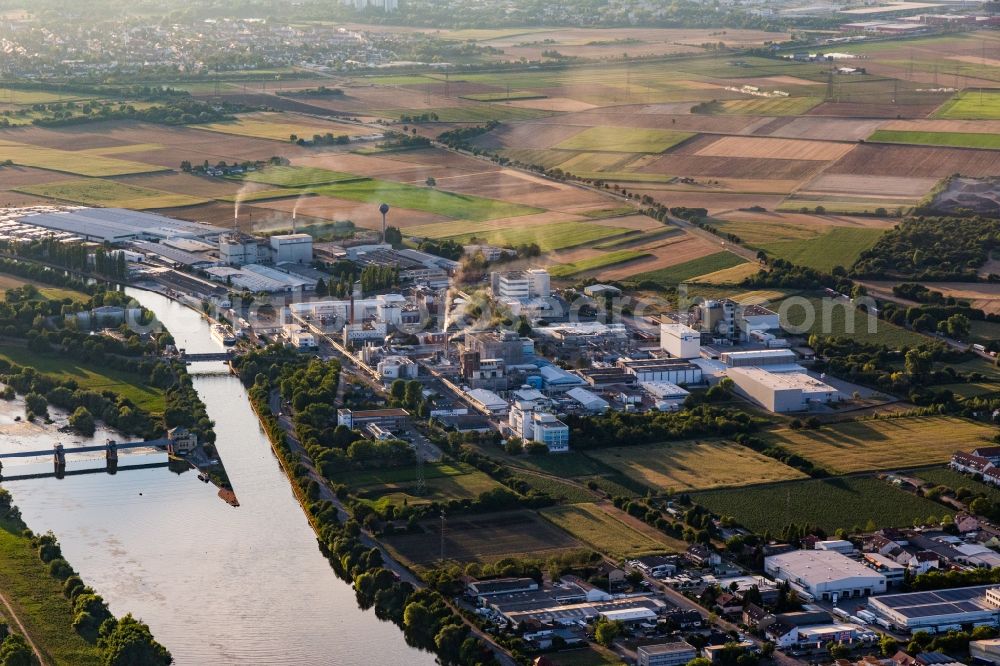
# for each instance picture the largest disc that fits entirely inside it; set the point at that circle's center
(119, 224)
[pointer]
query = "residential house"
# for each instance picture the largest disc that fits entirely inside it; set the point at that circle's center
(923, 561)
(702, 556)
(729, 604)
(991, 453)
(969, 463)
(754, 615)
(966, 523)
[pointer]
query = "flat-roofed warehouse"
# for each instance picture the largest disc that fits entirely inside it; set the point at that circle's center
(940, 609)
(117, 225)
(824, 573)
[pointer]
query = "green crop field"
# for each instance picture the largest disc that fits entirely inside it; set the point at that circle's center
(441, 202)
(839, 246)
(561, 491)
(588, 162)
(682, 466)
(555, 236)
(38, 600)
(957, 139)
(831, 504)
(593, 263)
(624, 140)
(297, 176)
(440, 488)
(29, 97)
(971, 105)
(265, 195)
(858, 446)
(88, 376)
(945, 476)
(67, 161)
(546, 158)
(827, 317)
(592, 655)
(688, 270)
(483, 538)
(355, 479)
(591, 525)
(769, 106)
(846, 205)
(111, 194)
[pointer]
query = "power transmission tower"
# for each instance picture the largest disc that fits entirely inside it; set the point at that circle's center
(442, 536)
(421, 481)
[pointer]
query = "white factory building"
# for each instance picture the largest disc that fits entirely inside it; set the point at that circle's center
(782, 391)
(116, 225)
(397, 367)
(520, 285)
(759, 358)
(680, 341)
(591, 402)
(825, 574)
(386, 308)
(259, 279)
(237, 249)
(292, 248)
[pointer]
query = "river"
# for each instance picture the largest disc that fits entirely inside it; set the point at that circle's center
(216, 584)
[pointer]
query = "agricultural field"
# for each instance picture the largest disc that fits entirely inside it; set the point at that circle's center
(767, 106)
(945, 476)
(110, 194)
(840, 246)
(88, 376)
(860, 446)
(831, 504)
(591, 525)
(444, 482)
(295, 176)
(483, 538)
(280, 127)
(548, 237)
(624, 140)
(402, 195)
(561, 491)
(956, 139)
(67, 161)
(691, 270)
(815, 315)
(594, 263)
(8, 282)
(971, 105)
(502, 96)
(684, 466)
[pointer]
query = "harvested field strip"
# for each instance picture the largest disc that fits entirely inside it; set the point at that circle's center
(544, 158)
(602, 261)
(125, 150)
(673, 275)
(549, 237)
(280, 127)
(427, 199)
(264, 195)
(956, 139)
(729, 276)
(624, 140)
(595, 161)
(79, 163)
(774, 148)
(293, 176)
(501, 96)
(830, 504)
(111, 194)
(683, 466)
(898, 160)
(589, 524)
(840, 246)
(860, 446)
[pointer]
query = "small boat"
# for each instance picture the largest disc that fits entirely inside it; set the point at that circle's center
(203, 477)
(223, 335)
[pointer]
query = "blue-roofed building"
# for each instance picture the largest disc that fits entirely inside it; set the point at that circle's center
(556, 379)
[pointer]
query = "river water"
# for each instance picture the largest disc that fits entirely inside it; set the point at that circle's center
(216, 584)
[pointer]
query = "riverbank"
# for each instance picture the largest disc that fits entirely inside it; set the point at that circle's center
(38, 602)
